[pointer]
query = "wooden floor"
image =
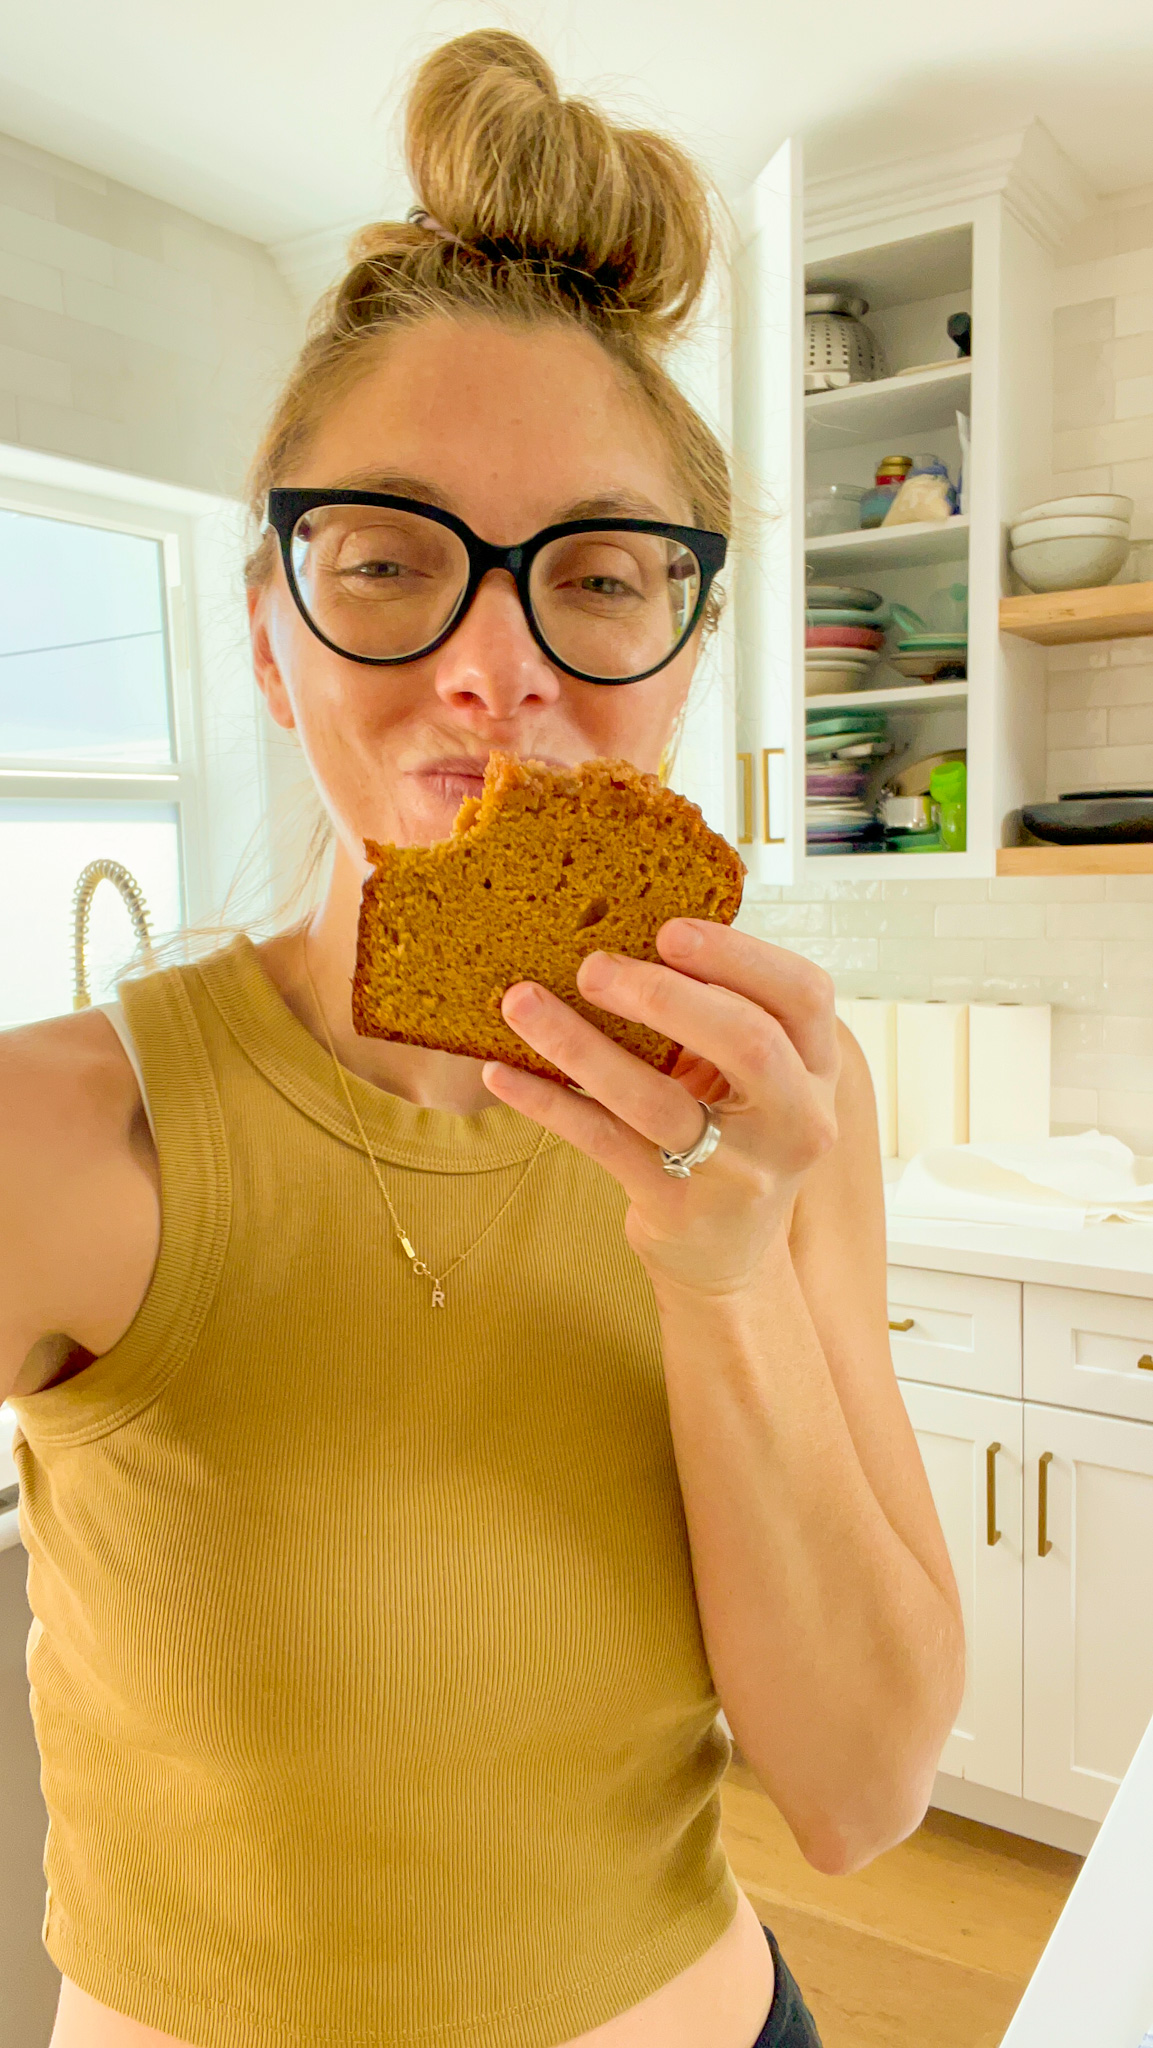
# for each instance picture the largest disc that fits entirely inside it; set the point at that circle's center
(930, 1946)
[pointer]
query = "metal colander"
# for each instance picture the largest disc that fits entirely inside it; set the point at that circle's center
(838, 348)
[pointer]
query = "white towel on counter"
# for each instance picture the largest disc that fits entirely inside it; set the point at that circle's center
(1056, 1183)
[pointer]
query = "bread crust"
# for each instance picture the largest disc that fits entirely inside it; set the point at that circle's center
(544, 867)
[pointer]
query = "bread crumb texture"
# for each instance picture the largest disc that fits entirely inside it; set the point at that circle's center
(544, 867)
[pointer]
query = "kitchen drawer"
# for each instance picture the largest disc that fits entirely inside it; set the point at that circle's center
(1084, 1350)
(960, 1331)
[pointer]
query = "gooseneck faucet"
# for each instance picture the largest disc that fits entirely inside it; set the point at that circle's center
(104, 871)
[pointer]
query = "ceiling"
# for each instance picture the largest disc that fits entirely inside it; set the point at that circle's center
(279, 119)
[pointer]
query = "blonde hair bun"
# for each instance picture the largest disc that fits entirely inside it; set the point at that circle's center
(519, 173)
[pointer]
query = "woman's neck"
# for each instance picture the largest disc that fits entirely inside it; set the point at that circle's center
(432, 1080)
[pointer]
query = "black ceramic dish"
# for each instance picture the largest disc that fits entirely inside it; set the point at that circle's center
(1088, 817)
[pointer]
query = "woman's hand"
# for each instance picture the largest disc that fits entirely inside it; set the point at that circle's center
(766, 1058)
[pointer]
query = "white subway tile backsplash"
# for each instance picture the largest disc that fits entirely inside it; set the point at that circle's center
(1133, 313)
(959, 958)
(1047, 889)
(1132, 1035)
(1057, 959)
(989, 920)
(1100, 920)
(30, 282)
(1132, 355)
(767, 919)
(1080, 728)
(840, 956)
(1131, 725)
(1098, 768)
(47, 241)
(883, 920)
(1134, 397)
(1074, 1109)
(1128, 960)
(35, 376)
(1129, 1117)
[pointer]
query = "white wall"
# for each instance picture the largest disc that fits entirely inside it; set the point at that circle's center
(1084, 944)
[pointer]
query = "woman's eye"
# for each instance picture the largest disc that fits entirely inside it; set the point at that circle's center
(607, 586)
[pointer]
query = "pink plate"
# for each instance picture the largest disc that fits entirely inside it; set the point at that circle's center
(843, 636)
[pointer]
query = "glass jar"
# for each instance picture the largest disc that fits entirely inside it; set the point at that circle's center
(891, 474)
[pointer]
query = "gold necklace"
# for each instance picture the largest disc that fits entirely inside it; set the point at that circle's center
(417, 1265)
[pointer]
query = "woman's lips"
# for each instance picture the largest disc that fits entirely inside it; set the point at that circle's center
(451, 787)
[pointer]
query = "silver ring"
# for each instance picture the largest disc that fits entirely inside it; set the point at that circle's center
(681, 1164)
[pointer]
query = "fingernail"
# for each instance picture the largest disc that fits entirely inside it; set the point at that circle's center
(522, 1000)
(683, 937)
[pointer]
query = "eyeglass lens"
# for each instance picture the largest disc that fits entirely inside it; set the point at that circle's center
(385, 583)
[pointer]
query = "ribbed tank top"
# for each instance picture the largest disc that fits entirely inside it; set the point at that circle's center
(366, 1667)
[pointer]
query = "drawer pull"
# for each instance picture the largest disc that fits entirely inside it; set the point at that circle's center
(1146, 1361)
(768, 835)
(906, 1325)
(992, 1533)
(1043, 1544)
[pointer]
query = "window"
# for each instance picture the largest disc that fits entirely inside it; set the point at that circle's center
(102, 737)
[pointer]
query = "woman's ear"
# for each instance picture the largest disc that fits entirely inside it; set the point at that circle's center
(264, 663)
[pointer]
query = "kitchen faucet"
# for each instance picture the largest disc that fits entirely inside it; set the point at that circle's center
(133, 895)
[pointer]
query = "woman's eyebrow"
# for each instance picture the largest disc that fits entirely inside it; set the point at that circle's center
(608, 504)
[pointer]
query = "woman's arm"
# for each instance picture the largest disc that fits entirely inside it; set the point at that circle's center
(828, 1604)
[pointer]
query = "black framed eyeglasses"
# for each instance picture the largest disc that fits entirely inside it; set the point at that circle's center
(384, 580)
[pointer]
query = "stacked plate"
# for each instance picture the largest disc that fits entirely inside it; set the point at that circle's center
(839, 747)
(844, 635)
(1071, 543)
(931, 657)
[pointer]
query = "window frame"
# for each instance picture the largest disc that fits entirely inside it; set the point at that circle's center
(218, 778)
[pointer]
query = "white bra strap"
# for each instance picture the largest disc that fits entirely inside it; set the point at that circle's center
(119, 1022)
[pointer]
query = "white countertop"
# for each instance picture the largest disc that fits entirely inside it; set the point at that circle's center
(1093, 1987)
(1116, 1258)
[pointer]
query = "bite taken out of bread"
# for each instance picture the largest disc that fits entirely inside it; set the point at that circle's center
(545, 866)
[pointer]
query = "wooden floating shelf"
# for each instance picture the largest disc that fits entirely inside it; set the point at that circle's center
(1116, 611)
(1120, 859)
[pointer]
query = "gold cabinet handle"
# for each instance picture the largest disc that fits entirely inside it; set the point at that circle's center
(745, 835)
(992, 1533)
(906, 1325)
(1146, 1361)
(1043, 1544)
(765, 752)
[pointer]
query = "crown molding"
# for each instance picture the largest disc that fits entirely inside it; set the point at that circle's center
(1026, 168)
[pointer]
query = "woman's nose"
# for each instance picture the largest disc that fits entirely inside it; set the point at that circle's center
(492, 657)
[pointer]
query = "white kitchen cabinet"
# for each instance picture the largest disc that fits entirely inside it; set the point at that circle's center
(956, 1329)
(1088, 1611)
(972, 1445)
(1089, 1350)
(971, 229)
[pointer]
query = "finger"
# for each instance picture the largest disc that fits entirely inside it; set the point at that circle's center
(792, 989)
(592, 1128)
(656, 1107)
(748, 1045)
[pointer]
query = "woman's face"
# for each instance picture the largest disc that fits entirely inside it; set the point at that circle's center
(512, 430)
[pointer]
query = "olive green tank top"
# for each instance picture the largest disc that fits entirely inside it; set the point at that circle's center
(366, 1667)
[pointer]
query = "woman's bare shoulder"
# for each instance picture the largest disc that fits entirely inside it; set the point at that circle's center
(79, 1193)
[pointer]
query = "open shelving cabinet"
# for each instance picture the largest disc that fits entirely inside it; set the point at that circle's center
(971, 230)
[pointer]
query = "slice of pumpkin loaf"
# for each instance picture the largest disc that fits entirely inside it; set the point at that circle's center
(545, 866)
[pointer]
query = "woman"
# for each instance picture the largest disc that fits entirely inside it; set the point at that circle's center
(378, 1652)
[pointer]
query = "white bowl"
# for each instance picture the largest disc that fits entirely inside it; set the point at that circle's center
(1096, 505)
(829, 682)
(1069, 564)
(835, 656)
(1068, 529)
